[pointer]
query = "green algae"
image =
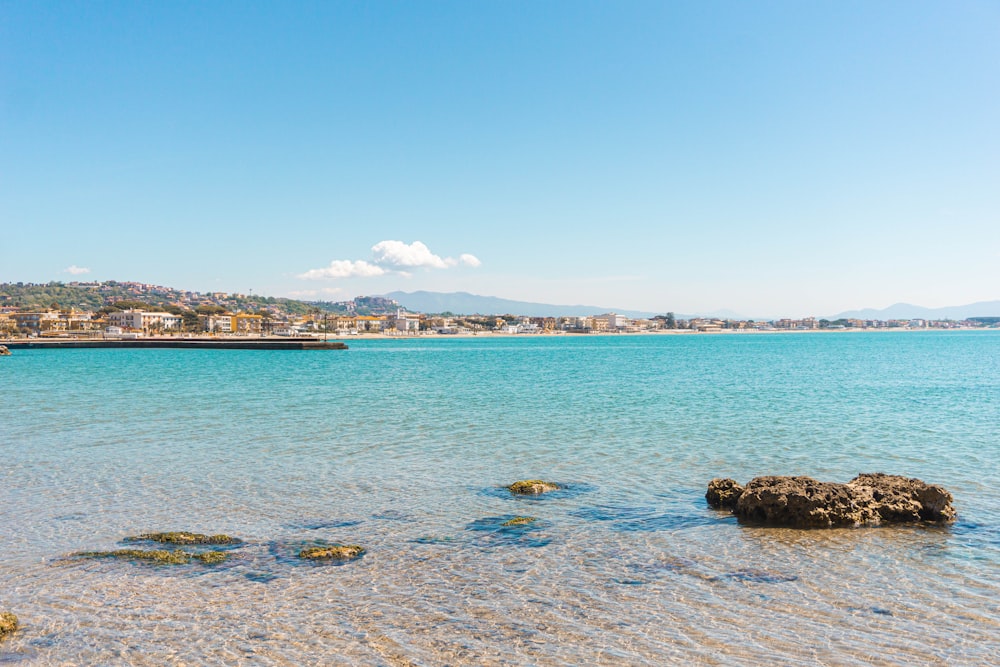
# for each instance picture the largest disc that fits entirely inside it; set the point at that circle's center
(519, 521)
(532, 487)
(183, 537)
(333, 552)
(8, 624)
(157, 556)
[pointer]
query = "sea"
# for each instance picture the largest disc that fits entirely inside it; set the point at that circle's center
(405, 446)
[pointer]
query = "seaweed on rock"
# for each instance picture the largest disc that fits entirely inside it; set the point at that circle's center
(342, 552)
(8, 624)
(183, 537)
(157, 556)
(532, 487)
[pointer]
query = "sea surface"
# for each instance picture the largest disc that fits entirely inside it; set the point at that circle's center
(404, 446)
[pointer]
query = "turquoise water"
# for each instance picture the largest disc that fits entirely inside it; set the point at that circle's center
(402, 445)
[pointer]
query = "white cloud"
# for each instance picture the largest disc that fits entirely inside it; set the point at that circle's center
(397, 253)
(76, 270)
(389, 257)
(469, 260)
(344, 268)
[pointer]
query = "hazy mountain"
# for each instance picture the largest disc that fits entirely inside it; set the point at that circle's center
(907, 311)
(463, 303)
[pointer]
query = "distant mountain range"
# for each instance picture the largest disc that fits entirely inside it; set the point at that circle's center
(463, 303)
(907, 311)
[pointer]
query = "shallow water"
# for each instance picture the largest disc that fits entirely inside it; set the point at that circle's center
(403, 445)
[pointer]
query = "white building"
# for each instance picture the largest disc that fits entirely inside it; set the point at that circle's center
(140, 320)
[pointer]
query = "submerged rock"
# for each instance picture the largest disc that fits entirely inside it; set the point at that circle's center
(532, 487)
(182, 537)
(803, 502)
(519, 521)
(157, 556)
(333, 552)
(8, 624)
(723, 493)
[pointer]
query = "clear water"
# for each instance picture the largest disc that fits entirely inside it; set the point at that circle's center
(402, 445)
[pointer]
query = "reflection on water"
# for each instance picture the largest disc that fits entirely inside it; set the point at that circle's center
(406, 450)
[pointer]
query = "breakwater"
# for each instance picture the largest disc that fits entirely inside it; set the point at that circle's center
(181, 343)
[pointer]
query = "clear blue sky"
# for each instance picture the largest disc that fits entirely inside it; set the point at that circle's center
(773, 158)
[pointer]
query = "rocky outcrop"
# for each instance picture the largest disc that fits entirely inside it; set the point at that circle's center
(532, 487)
(8, 624)
(723, 493)
(901, 499)
(803, 502)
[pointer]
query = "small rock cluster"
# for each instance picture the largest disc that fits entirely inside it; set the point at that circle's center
(802, 502)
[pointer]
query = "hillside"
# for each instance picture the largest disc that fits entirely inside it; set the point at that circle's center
(91, 296)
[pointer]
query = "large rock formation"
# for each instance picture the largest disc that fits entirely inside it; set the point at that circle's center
(803, 502)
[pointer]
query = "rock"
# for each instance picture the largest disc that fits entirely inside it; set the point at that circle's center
(334, 552)
(902, 499)
(519, 521)
(532, 487)
(182, 537)
(157, 556)
(803, 502)
(723, 493)
(8, 624)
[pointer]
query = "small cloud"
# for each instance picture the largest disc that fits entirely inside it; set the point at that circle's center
(303, 292)
(75, 270)
(416, 254)
(344, 268)
(389, 257)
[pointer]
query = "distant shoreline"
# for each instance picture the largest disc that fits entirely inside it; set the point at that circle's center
(176, 343)
(317, 342)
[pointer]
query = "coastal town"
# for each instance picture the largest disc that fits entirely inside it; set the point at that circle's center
(131, 309)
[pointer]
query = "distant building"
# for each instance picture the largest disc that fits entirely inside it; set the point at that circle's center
(141, 320)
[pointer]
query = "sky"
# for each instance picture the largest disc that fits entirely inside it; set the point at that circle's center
(778, 159)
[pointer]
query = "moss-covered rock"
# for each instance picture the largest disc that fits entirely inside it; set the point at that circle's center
(332, 552)
(211, 557)
(182, 537)
(8, 624)
(519, 521)
(532, 487)
(157, 556)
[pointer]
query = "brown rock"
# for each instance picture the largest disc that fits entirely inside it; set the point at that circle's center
(801, 502)
(899, 499)
(723, 493)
